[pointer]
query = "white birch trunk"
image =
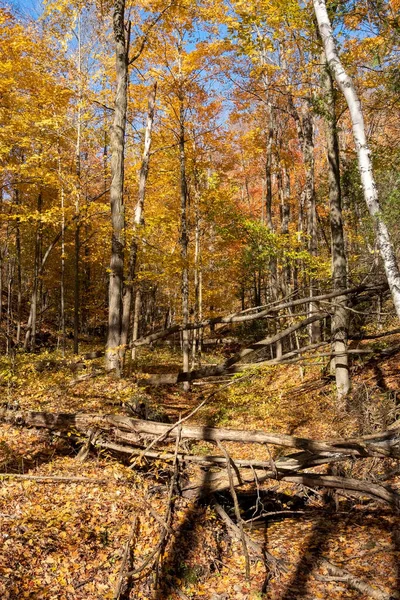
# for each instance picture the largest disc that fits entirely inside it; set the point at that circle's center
(364, 156)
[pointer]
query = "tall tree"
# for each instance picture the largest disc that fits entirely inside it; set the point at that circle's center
(121, 41)
(138, 221)
(346, 86)
(340, 317)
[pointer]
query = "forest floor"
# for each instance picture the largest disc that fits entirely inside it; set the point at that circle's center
(65, 539)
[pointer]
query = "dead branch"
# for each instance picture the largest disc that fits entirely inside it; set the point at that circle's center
(229, 366)
(85, 449)
(243, 316)
(125, 557)
(339, 574)
(237, 509)
(168, 515)
(153, 557)
(52, 478)
(292, 462)
(372, 490)
(256, 548)
(95, 373)
(374, 336)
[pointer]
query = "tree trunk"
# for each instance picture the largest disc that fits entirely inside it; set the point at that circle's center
(62, 281)
(268, 169)
(10, 279)
(30, 336)
(184, 228)
(78, 194)
(196, 343)
(113, 350)
(308, 153)
(136, 319)
(364, 156)
(285, 214)
(340, 319)
(19, 271)
(380, 444)
(138, 220)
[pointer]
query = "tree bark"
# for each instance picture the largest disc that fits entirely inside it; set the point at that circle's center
(138, 220)
(307, 124)
(78, 194)
(62, 278)
(136, 320)
(380, 444)
(30, 335)
(198, 275)
(346, 86)
(268, 168)
(113, 350)
(19, 270)
(285, 218)
(340, 318)
(184, 225)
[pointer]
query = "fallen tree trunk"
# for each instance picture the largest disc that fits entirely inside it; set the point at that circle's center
(286, 464)
(212, 483)
(136, 431)
(263, 312)
(246, 472)
(257, 471)
(286, 359)
(229, 366)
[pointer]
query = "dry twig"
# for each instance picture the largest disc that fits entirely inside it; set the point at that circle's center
(121, 576)
(237, 508)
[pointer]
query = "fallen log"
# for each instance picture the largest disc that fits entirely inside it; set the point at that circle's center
(230, 365)
(255, 471)
(135, 431)
(214, 371)
(372, 490)
(213, 483)
(51, 478)
(313, 453)
(241, 317)
(285, 464)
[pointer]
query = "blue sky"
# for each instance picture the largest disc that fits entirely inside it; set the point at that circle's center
(26, 8)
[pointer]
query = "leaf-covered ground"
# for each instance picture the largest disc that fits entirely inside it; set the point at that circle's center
(65, 539)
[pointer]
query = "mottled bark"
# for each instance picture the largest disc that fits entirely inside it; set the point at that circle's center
(113, 349)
